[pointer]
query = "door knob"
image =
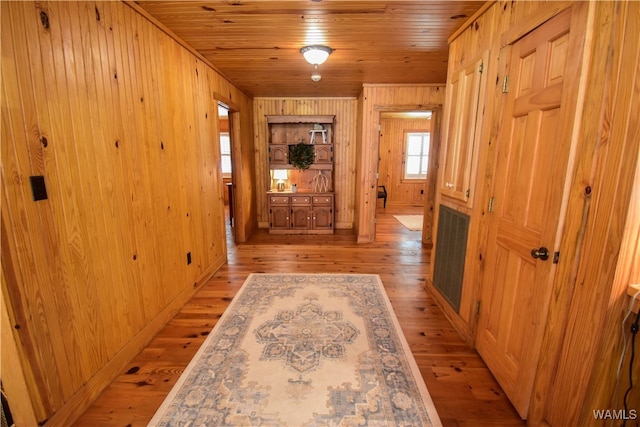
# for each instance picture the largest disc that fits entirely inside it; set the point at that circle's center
(542, 253)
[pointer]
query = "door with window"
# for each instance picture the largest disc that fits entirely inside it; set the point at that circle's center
(528, 189)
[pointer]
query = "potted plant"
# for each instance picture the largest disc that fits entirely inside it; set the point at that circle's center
(301, 155)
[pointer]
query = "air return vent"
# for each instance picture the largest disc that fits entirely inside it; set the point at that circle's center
(451, 248)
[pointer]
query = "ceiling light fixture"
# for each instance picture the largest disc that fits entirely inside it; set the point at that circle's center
(316, 77)
(316, 54)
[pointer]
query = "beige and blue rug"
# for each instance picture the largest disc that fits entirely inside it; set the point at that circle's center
(303, 350)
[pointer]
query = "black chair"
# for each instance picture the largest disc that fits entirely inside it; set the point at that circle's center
(382, 194)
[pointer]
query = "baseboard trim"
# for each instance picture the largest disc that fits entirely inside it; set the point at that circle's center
(84, 397)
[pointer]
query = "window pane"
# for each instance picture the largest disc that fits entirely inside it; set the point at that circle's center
(425, 166)
(226, 164)
(417, 155)
(414, 148)
(413, 165)
(425, 143)
(225, 143)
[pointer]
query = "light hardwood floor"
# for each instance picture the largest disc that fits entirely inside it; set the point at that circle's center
(462, 388)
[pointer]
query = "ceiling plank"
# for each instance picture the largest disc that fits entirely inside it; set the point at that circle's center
(256, 43)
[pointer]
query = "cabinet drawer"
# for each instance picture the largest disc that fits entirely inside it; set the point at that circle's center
(300, 200)
(322, 200)
(279, 200)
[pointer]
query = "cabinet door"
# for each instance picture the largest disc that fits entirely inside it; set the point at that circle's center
(279, 154)
(300, 217)
(461, 131)
(322, 218)
(279, 217)
(323, 154)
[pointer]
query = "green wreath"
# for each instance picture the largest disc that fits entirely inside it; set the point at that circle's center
(301, 155)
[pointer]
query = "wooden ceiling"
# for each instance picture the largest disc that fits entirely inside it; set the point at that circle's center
(256, 43)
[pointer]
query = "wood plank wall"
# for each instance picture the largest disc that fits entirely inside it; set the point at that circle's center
(345, 110)
(584, 327)
(583, 339)
(392, 156)
(120, 120)
(480, 35)
(374, 100)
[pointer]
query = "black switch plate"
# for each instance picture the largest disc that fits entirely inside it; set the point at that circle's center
(38, 188)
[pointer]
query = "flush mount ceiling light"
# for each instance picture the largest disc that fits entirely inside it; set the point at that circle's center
(316, 55)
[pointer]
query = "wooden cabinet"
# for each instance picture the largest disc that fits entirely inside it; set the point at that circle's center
(295, 213)
(285, 131)
(462, 130)
(295, 128)
(300, 212)
(323, 154)
(279, 211)
(322, 212)
(310, 210)
(279, 156)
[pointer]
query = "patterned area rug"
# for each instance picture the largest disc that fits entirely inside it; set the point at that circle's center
(303, 350)
(412, 222)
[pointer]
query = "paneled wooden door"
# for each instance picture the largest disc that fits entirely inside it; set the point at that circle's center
(531, 167)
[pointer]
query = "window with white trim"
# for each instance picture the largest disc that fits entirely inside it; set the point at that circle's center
(225, 151)
(416, 161)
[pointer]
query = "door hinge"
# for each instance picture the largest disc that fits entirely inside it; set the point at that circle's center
(480, 68)
(478, 308)
(379, 127)
(556, 257)
(468, 193)
(505, 84)
(491, 204)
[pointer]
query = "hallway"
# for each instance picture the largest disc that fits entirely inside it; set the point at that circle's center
(462, 388)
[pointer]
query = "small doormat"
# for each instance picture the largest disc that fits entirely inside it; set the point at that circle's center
(412, 222)
(303, 350)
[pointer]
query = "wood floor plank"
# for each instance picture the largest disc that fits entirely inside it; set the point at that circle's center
(462, 388)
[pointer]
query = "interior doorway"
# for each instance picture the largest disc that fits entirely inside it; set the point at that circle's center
(408, 152)
(226, 164)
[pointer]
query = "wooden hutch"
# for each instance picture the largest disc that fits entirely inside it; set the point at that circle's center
(306, 203)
